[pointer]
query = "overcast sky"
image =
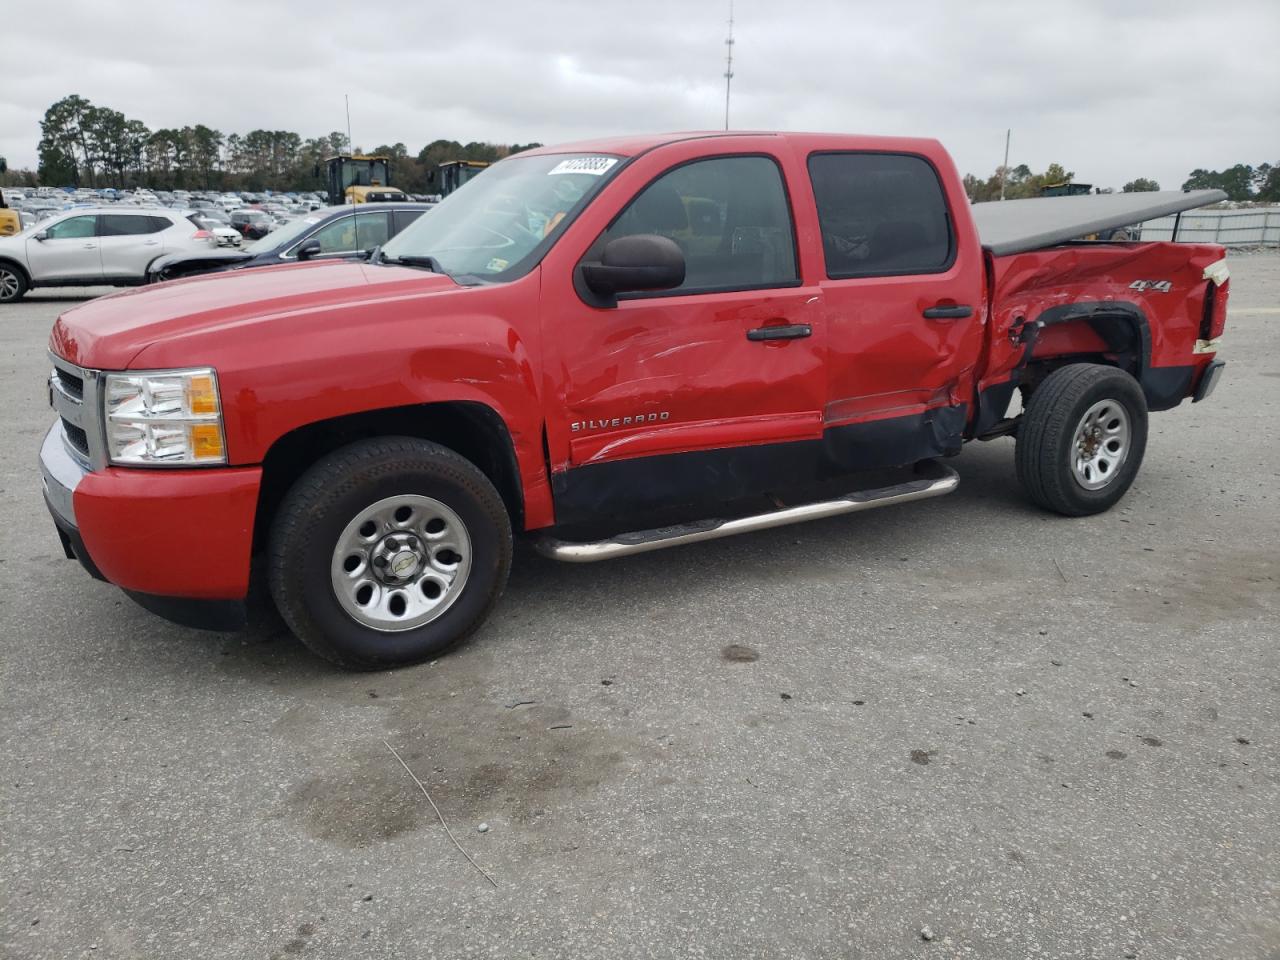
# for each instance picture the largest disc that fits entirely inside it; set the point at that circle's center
(1112, 90)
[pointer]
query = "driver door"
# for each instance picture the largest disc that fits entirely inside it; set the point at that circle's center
(70, 251)
(702, 394)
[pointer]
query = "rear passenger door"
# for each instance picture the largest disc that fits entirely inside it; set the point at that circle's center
(130, 241)
(904, 306)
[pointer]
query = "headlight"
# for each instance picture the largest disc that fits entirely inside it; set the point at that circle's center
(166, 417)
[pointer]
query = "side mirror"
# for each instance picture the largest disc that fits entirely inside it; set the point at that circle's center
(643, 261)
(309, 249)
(42, 236)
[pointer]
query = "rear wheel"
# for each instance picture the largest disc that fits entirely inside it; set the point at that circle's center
(388, 552)
(13, 283)
(1082, 439)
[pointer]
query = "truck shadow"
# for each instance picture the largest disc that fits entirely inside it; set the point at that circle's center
(542, 594)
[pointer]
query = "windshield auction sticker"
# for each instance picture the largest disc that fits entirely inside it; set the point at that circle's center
(595, 166)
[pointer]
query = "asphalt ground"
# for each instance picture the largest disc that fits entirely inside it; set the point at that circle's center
(1037, 737)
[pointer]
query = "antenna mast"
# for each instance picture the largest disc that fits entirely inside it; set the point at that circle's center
(350, 145)
(728, 66)
(1004, 171)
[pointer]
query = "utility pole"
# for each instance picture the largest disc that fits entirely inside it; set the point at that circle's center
(1004, 170)
(728, 66)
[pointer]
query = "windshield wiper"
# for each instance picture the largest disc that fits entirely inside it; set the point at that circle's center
(412, 260)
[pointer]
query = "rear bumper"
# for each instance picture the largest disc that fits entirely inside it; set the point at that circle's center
(1209, 380)
(177, 541)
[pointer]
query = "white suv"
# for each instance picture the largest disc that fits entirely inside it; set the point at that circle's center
(110, 246)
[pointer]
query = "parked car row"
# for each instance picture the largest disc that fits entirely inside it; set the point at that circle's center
(264, 212)
(118, 245)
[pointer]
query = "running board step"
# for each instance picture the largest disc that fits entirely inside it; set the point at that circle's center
(936, 480)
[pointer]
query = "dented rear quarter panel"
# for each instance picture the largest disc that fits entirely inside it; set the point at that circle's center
(1027, 285)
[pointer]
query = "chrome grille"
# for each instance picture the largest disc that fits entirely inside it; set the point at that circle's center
(71, 384)
(73, 394)
(77, 439)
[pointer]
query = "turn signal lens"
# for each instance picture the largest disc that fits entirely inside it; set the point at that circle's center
(206, 442)
(202, 396)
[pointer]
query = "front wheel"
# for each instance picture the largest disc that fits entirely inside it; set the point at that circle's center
(388, 552)
(13, 284)
(1082, 439)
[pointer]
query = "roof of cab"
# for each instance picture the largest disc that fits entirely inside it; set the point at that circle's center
(630, 146)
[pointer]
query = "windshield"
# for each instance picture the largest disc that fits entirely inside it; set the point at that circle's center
(282, 236)
(497, 225)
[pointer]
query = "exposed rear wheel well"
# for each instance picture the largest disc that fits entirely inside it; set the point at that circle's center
(471, 430)
(1039, 369)
(1119, 343)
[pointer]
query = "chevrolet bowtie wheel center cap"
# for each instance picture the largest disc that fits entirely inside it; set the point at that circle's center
(403, 565)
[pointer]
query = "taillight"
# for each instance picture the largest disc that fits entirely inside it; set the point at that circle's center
(1218, 318)
(1214, 318)
(201, 235)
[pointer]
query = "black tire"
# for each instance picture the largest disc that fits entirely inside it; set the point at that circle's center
(320, 507)
(13, 283)
(1047, 437)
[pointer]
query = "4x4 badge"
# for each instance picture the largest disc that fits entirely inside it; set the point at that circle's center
(1159, 286)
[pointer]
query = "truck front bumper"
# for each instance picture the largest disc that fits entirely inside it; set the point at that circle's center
(177, 541)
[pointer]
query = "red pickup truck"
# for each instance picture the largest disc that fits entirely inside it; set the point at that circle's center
(613, 347)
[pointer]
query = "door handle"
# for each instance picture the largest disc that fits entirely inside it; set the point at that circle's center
(790, 331)
(151, 243)
(958, 312)
(91, 246)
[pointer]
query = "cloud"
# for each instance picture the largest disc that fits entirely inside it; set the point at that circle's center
(1112, 90)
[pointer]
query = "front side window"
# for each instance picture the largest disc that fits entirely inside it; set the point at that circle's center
(348, 234)
(127, 225)
(73, 228)
(497, 226)
(730, 217)
(882, 214)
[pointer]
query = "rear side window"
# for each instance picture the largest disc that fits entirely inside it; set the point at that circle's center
(729, 215)
(882, 214)
(126, 225)
(402, 218)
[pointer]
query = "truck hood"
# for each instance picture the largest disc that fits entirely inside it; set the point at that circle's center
(108, 333)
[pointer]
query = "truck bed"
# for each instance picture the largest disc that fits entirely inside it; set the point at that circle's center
(1016, 226)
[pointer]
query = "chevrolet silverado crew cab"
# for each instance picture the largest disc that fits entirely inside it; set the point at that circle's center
(611, 347)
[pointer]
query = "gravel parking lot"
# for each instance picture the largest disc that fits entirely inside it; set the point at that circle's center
(1036, 737)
